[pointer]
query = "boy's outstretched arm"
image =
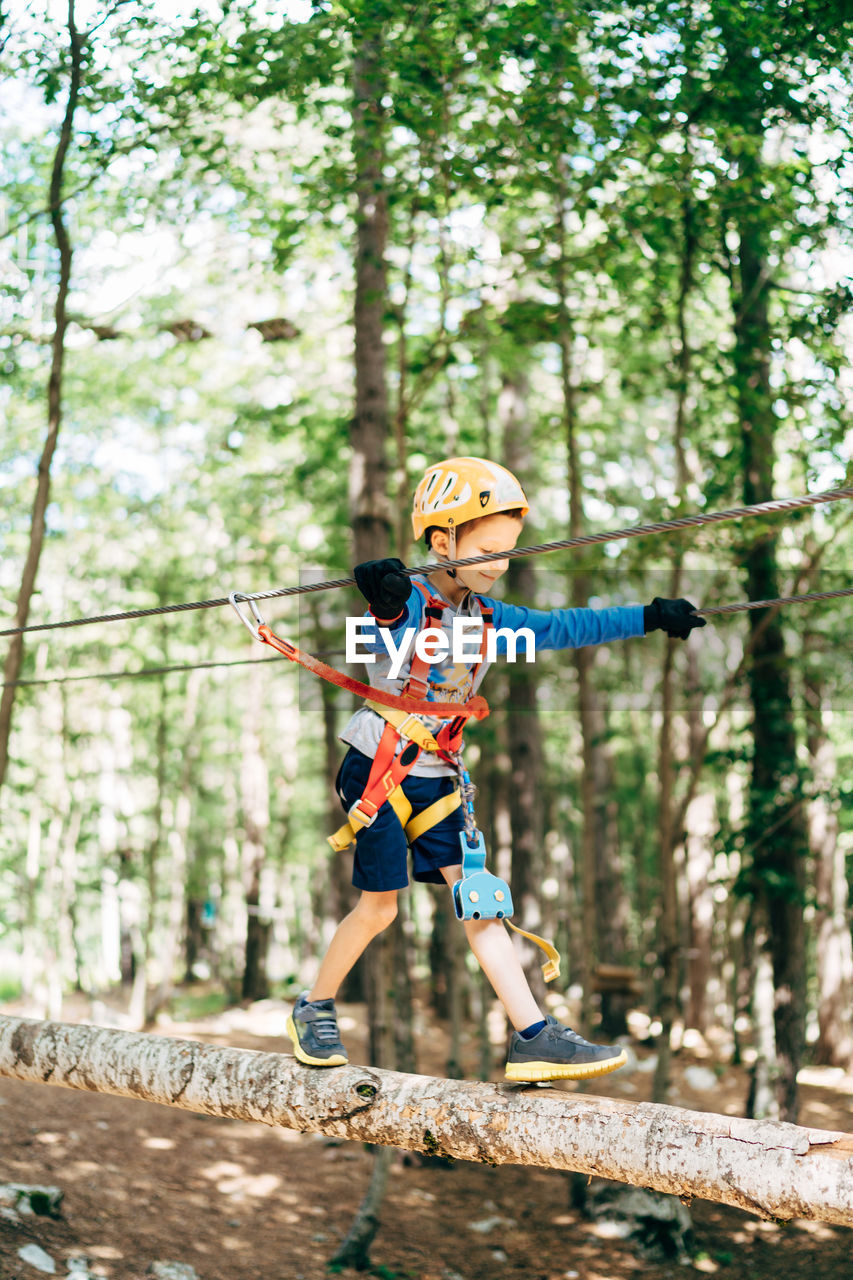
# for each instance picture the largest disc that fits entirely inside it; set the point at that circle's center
(575, 628)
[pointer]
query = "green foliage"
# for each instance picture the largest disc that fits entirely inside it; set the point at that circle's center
(567, 189)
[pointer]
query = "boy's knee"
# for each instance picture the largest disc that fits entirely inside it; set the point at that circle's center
(379, 908)
(488, 928)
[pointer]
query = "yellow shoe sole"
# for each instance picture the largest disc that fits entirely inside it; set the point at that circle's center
(533, 1072)
(336, 1060)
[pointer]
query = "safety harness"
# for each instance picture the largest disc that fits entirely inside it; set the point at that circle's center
(478, 895)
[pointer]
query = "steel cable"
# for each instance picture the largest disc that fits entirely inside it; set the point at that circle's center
(769, 604)
(567, 544)
(325, 653)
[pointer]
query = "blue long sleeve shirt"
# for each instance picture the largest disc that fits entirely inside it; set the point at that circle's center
(452, 681)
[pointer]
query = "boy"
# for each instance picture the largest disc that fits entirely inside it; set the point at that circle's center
(463, 507)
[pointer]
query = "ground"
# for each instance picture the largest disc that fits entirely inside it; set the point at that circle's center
(236, 1201)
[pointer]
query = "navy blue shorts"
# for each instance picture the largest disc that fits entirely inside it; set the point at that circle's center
(381, 850)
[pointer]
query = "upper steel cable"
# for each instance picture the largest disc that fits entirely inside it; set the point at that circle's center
(567, 544)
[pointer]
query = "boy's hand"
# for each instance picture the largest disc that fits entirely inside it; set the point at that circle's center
(385, 586)
(676, 617)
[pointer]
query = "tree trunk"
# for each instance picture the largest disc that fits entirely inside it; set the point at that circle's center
(704, 978)
(369, 511)
(255, 805)
(772, 1170)
(669, 932)
(153, 858)
(776, 831)
(834, 952)
(702, 982)
(177, 821)
(15, 655)
(524, 731)
(606, 910)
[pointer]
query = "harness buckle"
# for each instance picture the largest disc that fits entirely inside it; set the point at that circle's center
(358, 819)
(402, 729)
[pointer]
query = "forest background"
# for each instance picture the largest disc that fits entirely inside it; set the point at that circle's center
(261, 264)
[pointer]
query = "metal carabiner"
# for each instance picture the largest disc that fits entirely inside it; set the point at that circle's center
(246, 621)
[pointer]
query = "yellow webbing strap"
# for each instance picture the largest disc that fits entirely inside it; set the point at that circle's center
(415, 730)
(342, 838)
(426, 819)
(432, 815)
(406, 724)
(551, 968)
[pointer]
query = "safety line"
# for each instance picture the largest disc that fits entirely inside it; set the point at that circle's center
(144, 671)
(161, 671)
(768, 604)
(743, 607)
(568, 544)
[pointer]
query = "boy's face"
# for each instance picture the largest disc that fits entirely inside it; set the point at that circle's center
(492, 533)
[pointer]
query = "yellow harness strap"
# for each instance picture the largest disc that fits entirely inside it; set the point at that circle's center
(407, 725)
(432, 815)
(422, 822)
(551, 967)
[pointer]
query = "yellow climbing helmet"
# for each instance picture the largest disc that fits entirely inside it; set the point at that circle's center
(456, 490)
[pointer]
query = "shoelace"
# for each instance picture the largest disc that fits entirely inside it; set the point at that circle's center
(566, 1033)
(325, 1029)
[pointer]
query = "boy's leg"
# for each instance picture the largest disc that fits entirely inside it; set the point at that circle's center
(372, 913)
(555, 1052)
(498, 959)
(313, 1025)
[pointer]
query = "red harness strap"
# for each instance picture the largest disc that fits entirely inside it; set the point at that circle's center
(389, 768)
(417, 684)
(475, 708)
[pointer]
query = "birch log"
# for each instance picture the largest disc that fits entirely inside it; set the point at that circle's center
(773, 1170)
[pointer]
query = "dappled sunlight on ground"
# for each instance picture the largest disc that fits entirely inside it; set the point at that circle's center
(834, 1078)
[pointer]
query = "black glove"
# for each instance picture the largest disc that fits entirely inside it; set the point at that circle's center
(676, 617)
(385, 586)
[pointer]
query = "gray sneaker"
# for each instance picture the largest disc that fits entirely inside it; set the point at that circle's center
(557, 1053)
(313, 1028)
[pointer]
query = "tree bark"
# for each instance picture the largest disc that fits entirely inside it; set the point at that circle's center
(770, 1169)
(702, 981)
(834, 950)
(776, 830)
(255, 805)
(178, 817)
(605, 906)
(369, 509)
(524, 731)
(15, 655)
(669, 931)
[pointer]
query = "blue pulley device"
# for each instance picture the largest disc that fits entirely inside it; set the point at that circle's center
(479, 895)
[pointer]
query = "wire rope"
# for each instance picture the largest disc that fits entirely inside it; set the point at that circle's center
(143, 671)
(591, 539)
(742, 607)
